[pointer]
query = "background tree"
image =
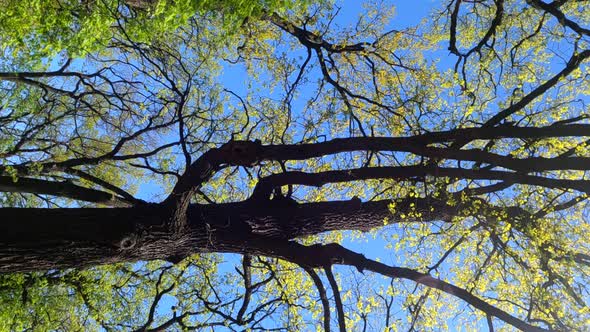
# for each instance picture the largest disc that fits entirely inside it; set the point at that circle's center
(471, 172)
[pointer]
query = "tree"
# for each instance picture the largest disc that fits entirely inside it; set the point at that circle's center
(472, 171)
(41, 28)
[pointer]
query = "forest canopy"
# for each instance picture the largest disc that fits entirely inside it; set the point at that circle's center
(284, 165)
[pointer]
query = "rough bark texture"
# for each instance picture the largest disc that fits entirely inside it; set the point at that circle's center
(40, 239)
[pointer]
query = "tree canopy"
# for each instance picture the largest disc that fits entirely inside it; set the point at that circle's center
(282, 165)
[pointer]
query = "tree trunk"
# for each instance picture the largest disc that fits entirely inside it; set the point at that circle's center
(41, 239)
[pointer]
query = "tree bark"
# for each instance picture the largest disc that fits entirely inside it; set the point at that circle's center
(42, 239)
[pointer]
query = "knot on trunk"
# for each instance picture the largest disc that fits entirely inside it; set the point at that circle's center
(128, 242)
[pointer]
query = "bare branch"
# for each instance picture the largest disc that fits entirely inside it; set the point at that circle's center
(61, 189)
(337, 299)
(323, 296)
(320, 255)
(265, 186)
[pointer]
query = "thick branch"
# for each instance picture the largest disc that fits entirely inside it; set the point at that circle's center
(339, 145)
(553, 9)
(265, 186)
(60, 189)
(255, 152)
(312, 40)
(242, 153)
(89, 177)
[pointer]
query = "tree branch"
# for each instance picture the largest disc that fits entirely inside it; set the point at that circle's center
(560, 16)
(265, 185)
(573, 63)
(61, 189)
(337, 299)
(323, 296)
(320, 255)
